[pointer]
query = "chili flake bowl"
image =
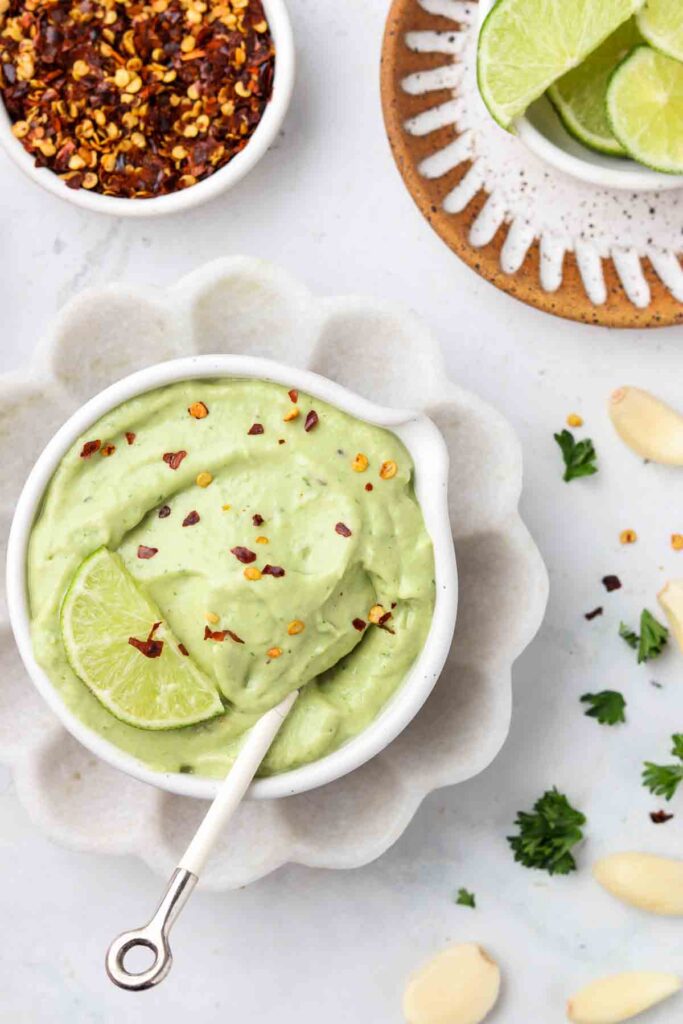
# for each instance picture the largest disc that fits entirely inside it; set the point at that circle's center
(220, 181)
(430, 456)
(380, 351)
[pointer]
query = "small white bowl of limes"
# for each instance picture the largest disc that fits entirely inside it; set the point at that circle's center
(593, 87)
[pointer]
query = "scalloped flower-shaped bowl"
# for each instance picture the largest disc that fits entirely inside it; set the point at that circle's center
(245, 306)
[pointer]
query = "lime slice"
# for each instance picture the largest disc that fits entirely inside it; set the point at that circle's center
(580, 96)
(645, 108)
(151, 685)
(526, 45)
(661, 23)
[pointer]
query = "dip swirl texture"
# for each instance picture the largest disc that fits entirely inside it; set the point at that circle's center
(286, 502)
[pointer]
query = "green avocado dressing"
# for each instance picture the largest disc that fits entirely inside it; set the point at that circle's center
(281, 501)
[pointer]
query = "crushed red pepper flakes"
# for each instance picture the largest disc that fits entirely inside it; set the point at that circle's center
(150, 647)
(273, 570)
(198, 410)
(611, 583)
(594, 614)
(257, 520)
(89, 448)
(130, 437)
(369, 487)
(145, 552)
(107, 449)
(243, 555)
(359, 624)
(164, 512)
(183, 650)
(135, 99)
(255, 428)
(384, 618)
(219, 635)
(173, 459)
(191, 518)
(293, 395)
(281, 440)
(660, 817)
(343, 530)
(312, 420)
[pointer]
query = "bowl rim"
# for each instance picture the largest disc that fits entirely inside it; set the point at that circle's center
(609, 172)
(428, 449)
(222, 180)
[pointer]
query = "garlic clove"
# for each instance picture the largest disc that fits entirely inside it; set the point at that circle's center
(643, 880)
(621, 997)
(459, 986)
(648, 426)
(670, 598)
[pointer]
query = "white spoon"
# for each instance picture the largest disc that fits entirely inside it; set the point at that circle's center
(154, 935)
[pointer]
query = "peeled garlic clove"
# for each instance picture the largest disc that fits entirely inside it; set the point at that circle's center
(670, 598)
(643, 880)
(621, 997)
(649, 427)
(459, 986)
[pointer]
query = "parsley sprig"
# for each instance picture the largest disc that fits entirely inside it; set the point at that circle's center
(608, 706)
(652, 640)
(466, 899)
(579, 456)
(548, 834)
(664, 779)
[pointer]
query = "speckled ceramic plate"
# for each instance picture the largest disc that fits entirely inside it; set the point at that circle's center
(601, 256)
(246, 306)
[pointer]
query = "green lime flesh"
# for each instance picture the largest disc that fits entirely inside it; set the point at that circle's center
(661, 24)
(580, 96)
(103, 609)
(526, 45)
(645, 109)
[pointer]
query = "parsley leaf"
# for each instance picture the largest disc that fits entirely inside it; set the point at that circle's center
(548, 834)
(652, 639)
(466, 899)
(664, 779)
(579, 456)
(608, 706)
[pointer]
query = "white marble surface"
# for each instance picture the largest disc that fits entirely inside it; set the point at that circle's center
(309, 946)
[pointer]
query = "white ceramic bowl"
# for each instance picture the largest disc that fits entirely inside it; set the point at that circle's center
(220, 181)
(543, 133)
(428, 451)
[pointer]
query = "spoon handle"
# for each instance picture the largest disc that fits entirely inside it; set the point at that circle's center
(154, 936)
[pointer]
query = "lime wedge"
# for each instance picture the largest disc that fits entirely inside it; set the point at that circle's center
(661, 23)
(149, 684)
(526, 45)
(580, 96)
(645, 108)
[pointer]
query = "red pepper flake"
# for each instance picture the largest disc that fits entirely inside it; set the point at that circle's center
(359, 624)
(145, 552)
(611, 583)
(369, 487)
(387, 629)
(257, 520)
(594, 614)
(130, 437)
(282, 441)
(150, 647)
(198, 410)
(384, 618)
(293, 395)
(272, 570)
(183, 650)
(343, 530)
(219, 635)
(173, 459)
(89, 448)
(255, 428)
(164, 512)
(107, 450)
(311, 421)
(243, 555)
(660, 817)
(191, 518)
